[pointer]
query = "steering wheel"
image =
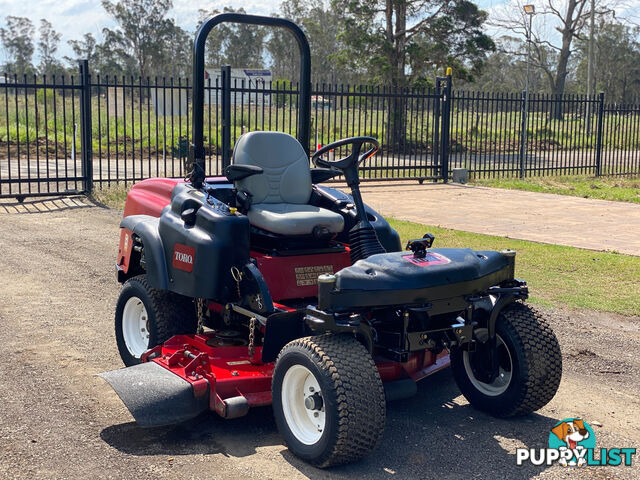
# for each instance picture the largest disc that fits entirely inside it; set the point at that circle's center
(352, 160)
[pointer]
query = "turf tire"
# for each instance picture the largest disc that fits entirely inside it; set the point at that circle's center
(168, 313)
(536, 359)
(352, 393)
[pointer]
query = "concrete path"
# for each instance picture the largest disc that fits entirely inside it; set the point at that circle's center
(541, 217)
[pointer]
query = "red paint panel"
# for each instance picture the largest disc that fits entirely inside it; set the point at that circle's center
(183, 257)
(431, 258)
(297, 276)
(124, 249)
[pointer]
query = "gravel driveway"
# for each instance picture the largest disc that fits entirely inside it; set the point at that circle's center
(57, 420)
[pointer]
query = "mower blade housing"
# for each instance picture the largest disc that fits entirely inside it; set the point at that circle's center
(154, 395)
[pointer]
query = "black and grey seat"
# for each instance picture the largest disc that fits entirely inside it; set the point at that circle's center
(280, 194)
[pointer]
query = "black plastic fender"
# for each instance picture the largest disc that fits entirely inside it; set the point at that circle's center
(146, 227)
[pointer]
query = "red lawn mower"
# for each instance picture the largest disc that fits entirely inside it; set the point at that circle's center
(267, 287)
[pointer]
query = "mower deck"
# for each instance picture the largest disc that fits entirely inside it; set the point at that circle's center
(191, 376)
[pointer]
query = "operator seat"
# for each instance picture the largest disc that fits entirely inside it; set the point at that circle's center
(280, 195)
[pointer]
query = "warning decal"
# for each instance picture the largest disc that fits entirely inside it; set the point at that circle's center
(309, 275)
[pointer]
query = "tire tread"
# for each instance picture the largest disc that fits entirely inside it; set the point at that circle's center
(360, 396)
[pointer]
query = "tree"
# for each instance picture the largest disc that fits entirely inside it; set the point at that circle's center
(142, 34)
(47, 48)
(17, 40)
(322, 27)
(238, 45)
(617, 57)
(400, 41)
(405, 42)
(84, 49)
(569, 17)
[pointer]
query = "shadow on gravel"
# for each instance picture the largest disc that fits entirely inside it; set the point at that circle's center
(435, 434)
(205, 434)
(47, 205)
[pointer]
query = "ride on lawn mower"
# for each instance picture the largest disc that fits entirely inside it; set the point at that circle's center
(266, 287)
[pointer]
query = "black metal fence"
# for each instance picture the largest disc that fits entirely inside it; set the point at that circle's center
(63, 135)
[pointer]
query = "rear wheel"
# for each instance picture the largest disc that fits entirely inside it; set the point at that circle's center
(146, 317)
(328, 399)
(529, 365)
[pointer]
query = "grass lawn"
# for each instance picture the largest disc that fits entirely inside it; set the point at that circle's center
(622, 189)
(556, 274)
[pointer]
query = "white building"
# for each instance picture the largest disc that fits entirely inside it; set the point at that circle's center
(254, 80)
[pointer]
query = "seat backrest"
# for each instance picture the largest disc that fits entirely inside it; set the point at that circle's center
(286, 177)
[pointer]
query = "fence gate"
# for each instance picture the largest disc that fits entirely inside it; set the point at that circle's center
(45, 148)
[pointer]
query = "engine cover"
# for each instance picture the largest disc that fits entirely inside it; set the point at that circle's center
(399, 278)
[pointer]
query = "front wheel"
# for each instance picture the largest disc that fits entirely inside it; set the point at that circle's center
(146, 317)
(529, 365)
(328, 399)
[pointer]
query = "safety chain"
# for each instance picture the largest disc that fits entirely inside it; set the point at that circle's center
(252, 336)
(200, 306)
(237, 276)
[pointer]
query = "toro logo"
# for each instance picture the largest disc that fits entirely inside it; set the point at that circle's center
(183, 257)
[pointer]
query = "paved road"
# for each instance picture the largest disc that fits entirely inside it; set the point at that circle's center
(541, 217)
(57, 297)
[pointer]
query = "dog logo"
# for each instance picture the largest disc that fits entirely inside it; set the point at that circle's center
(572, 437)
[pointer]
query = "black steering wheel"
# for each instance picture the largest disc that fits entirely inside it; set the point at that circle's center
(353, 160)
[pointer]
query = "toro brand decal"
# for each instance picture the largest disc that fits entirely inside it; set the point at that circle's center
(183, 257)
(431, 258)
(309, 275)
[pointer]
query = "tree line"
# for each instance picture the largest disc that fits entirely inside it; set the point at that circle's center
(403, 43)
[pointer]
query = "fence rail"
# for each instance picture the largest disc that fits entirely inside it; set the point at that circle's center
(60, 135)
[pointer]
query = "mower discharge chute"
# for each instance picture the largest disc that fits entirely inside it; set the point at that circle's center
(266, 287)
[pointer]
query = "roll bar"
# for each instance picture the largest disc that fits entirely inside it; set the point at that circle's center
(197, 153)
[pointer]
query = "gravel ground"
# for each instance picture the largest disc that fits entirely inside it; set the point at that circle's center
(57, 297)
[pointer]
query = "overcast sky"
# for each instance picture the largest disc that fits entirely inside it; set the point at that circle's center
(73, 18)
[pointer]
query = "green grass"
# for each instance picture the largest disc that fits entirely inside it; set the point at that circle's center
(557, 275)
(113, 196)
(621, 189)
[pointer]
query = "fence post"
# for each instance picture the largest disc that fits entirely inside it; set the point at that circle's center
(523, 130)
(599, 134)
(436, 130)
(85, 122)
(446, 123)
(225, 75)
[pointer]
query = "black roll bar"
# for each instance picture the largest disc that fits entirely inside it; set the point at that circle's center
(304, 113)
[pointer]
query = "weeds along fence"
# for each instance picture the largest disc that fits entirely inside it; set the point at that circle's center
(65, 135)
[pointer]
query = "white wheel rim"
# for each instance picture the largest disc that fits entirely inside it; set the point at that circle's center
(135, 327)
(307, 425)
(502, 381)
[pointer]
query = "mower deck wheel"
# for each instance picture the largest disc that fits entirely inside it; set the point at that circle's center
(529, 365)
(146, 317)
(328, 399)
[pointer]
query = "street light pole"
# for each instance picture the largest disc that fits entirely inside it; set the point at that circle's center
(590, 67)
(530, 11)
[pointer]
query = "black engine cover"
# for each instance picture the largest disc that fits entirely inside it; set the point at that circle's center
(401, 279)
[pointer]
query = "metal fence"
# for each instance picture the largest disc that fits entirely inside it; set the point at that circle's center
(63, 135)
